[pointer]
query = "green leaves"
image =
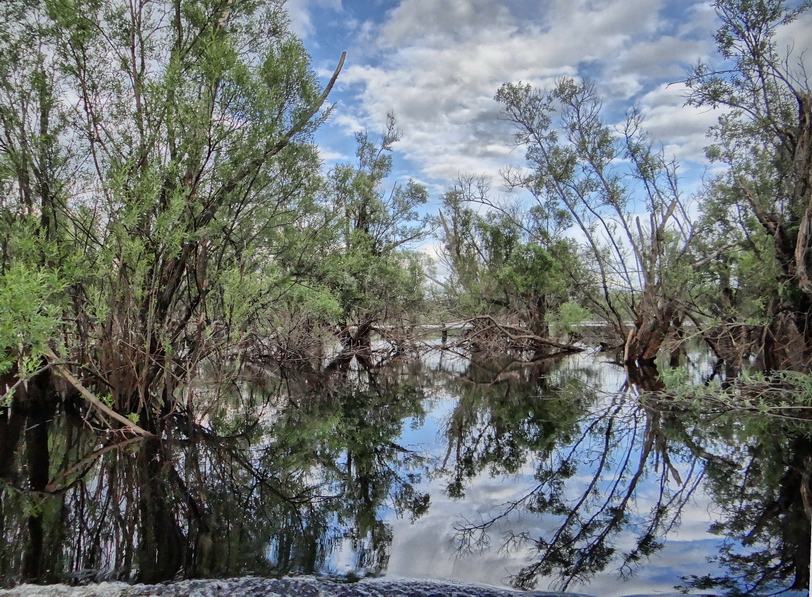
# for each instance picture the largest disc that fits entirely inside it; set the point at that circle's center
(504, 262)
(755, 212)
(568, 317)
(365, 259)
(29, 315)
(165, 194)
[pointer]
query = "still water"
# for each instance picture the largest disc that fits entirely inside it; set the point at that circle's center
(562, 475)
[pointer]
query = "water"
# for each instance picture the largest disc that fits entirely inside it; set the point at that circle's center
(557, 476)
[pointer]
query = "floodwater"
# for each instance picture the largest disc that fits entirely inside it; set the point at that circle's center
(559, 476)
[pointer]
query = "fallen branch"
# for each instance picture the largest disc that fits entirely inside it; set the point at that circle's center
(516, 333)
(90, 397)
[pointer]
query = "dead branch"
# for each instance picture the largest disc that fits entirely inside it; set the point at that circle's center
(88, 395)
(519, 334)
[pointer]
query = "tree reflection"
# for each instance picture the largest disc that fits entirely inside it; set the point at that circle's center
(220, 493)
(23, 477)
(302, 472)
(503, 416)
(592, 454)
(764, 502)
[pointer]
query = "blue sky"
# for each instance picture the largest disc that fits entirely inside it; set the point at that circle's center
(438, 63)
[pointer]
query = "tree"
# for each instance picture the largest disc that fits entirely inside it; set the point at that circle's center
(34, 168)
(368, 264)
(622, 195)
(765, 140)
(497, 267)
(167, 144)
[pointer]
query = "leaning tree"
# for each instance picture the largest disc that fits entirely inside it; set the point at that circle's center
(622, 195)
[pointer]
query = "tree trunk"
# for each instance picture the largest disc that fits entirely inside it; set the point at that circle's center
(650, 330)
(785, 345)
(162, 548)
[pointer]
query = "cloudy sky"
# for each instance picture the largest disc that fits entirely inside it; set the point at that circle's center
(438, 63)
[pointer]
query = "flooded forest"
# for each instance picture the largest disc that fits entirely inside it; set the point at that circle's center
(221, 357)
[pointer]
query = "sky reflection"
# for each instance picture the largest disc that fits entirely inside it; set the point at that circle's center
(428, 547)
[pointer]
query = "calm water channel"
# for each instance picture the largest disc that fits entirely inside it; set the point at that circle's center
(562, 475)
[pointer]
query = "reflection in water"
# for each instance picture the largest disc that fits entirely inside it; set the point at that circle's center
(592, 454)
(305, 474)
(266, 493)
(764, 503)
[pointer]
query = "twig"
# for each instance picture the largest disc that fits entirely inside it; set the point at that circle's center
(85, 463)
(516, 333)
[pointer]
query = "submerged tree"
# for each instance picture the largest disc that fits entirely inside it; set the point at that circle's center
(502, 270)
(369, 266)
(622, 195)
(764, 199)
(149, 174)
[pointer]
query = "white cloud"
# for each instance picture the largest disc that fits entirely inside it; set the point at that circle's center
(299, 12)
(683, 129)
(438, 65)
(328, 155)
(794, 42)
(440, 21)
(299, 15)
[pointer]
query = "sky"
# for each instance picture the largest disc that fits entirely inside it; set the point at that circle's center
(438, 63)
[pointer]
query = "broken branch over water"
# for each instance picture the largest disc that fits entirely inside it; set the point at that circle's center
(88, 395)
(487, 331)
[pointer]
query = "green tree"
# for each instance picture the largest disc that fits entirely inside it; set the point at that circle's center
(765, 140)
(603, 181)
(369, 265)
(166, 147)
(498, 266)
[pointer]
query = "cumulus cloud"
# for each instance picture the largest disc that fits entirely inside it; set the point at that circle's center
(682, 129)
(300, 13)
(328, 155)
(794, 41)
(438, 63)
(443, 22)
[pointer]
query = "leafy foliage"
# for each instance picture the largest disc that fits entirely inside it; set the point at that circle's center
(496, 265)
(158, 197)
(365, 261)
(30, 315)
(601, 180)
(759, 208)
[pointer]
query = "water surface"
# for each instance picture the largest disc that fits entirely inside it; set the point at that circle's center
(560, 475)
